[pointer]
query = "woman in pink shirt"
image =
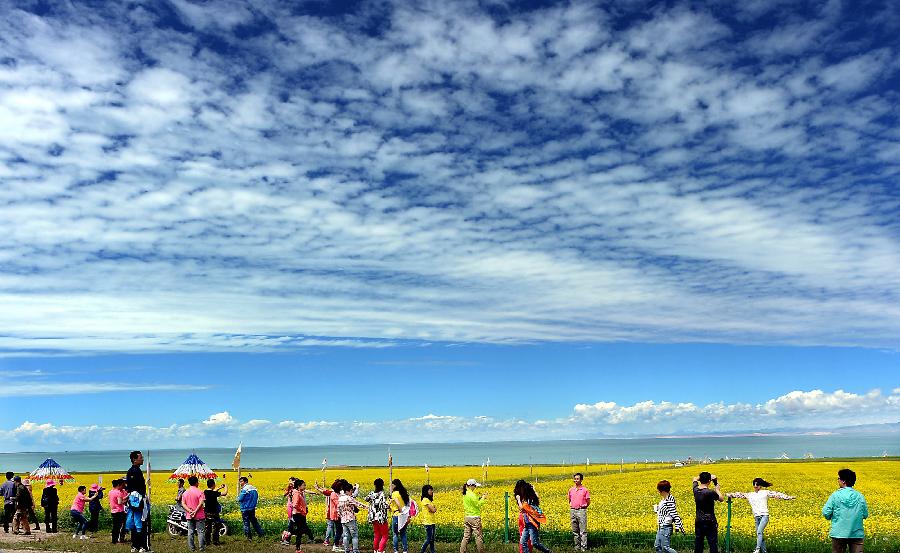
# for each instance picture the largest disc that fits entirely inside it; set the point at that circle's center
(77, 513)
(117, 499)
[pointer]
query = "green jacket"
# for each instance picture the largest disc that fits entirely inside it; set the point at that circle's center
(846, 509)
(472, 504)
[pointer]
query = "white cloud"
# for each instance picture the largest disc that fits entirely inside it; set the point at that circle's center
(219, 419)
(552, 175)
(26, 388)
(797, 410)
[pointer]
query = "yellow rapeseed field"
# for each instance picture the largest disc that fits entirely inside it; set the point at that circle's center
(621, 502)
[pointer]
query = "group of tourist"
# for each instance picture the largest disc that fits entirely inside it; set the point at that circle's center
(130, 508)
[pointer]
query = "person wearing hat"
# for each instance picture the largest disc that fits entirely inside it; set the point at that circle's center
(759, 506)
(32, 516)
(23, 505)
(50, 503)
(94, 506)
(472, 504)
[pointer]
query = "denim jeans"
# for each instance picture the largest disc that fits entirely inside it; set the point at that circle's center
(429, 538)
(249, 518)
(79, 520)
(399, 536)
(198, 527)
(530, 533)
(663, 543)
(761, 522)
(351, 537)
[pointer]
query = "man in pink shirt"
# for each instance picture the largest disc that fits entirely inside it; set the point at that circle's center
(579, 499)
(193, 502)
(117, 499)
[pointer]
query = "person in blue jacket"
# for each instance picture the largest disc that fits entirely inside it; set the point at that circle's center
(247, 500)
(846, 509)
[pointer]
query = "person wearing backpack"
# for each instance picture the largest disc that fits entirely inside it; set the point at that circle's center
(532, 515)
(50, 503)
(399, 501)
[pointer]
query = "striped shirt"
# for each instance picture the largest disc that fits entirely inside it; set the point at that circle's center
(667, 513)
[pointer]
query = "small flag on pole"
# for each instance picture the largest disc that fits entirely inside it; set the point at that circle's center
(390, 459)
(236, 463)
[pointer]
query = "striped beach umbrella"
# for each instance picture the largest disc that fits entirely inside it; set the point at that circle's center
(193, 466)
(51, 470)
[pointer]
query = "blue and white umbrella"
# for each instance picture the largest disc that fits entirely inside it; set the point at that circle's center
(51, 470)
(193, 466)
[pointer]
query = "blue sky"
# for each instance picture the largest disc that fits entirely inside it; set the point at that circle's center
(691, 210)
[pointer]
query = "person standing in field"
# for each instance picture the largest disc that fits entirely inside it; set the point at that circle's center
(247, 499)
(23, 506)
(347, 508)
(193, 501)
(32, 515)
(428, 511)
(705, 525)
(9, 500)
(300, 509)
(94, 496)
(759, 506)
(117, 500)
(667, 518)
(213, 509)
(333, 527)
(532, 517)
(378, 516)
(135, 484)
(179, 493)
(399, 500)
(579, 500)
(846, 509)
(50, 503)
(472, 504)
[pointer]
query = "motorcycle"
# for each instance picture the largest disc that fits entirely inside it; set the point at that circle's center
(176, 522)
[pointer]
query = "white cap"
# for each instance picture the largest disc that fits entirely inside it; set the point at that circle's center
(472, 482)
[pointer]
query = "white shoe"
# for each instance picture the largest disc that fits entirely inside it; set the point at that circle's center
(74, 536)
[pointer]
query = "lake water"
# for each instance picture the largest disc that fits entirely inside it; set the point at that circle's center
(574, 452)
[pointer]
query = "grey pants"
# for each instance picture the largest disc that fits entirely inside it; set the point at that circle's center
(351, 537)
(198, 527)
(579, 527)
